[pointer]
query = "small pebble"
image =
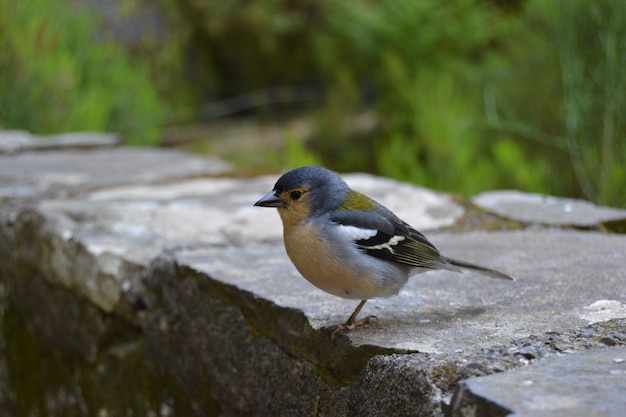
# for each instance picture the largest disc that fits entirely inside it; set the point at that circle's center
(529, 352)
(608, 340)
(492, 354)
(475, 365)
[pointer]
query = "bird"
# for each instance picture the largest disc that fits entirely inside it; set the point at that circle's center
(348, 244)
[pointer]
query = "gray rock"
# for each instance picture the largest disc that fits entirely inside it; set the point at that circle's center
(67, 172)
(93, 238)
(15, 141)
(149, 276)
(443, 312)
(544, 209)
(579, 384)
(603, 310)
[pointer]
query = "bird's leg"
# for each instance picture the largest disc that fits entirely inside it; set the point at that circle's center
(352, 322)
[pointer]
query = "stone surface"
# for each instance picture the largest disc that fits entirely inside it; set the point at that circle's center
(67, 172)
(544, 209)
(604, 310)
(443, 312)
(93, 238)
(15, 141)
(578, 384)
(141, 269)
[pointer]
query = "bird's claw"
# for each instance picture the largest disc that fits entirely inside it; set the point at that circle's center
(349, 325)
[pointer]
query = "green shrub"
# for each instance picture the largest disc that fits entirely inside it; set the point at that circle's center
(591, 41)
(56, 76)
(560, 86)
(469, 97)
(422, 57)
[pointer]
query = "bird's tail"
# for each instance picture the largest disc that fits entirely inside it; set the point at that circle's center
(481, 269)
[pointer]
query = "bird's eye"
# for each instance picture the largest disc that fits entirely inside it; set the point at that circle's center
(294, 195)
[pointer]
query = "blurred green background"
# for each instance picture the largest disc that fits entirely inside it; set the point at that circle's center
(460, 96)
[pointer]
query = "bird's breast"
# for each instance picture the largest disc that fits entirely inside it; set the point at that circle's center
(329, 269)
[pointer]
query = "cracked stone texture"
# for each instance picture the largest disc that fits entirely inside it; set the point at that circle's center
(443, 312)
(580, 384)
(160, 261)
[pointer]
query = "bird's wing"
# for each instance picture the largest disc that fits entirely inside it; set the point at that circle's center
(385, 236)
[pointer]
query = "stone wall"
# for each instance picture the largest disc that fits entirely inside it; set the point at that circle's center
(143, 282)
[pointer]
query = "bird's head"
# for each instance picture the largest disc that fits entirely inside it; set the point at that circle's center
(304, 192)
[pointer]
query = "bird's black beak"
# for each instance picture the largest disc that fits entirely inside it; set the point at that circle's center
(270, 200)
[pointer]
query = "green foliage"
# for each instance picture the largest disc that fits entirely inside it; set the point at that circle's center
(297, 154)
(465, 95)
(250, 45)
(422, 57)
(292, 154)
(453, 151)
(55, 76)
(561, 88)
(530, 171)
(554, 122)
(591, 40)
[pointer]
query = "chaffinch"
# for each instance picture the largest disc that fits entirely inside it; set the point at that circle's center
(349, 245)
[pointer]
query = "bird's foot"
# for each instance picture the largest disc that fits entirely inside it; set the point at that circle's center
(349, 325)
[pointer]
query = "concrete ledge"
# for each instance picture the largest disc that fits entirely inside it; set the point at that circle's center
(17, 141)
(548, 210)
(167, 283)
(580, 384)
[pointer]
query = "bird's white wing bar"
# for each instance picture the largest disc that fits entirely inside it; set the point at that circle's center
(387, 245)
(356, 233)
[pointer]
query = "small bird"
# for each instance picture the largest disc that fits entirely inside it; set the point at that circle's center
(349, 245)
